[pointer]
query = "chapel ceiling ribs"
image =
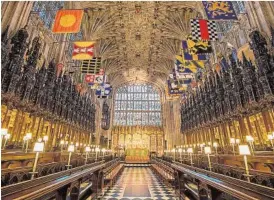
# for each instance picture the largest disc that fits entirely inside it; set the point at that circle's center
(137, 40)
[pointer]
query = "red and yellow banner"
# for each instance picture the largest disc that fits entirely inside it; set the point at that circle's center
(68, 21)
(83, 50)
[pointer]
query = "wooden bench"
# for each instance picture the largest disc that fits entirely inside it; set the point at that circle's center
(166, 166)
(164, 174)
(112, 176)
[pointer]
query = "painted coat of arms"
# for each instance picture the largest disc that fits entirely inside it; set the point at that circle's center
(219, 10)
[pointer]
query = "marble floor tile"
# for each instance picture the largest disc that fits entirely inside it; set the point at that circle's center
(139, 183)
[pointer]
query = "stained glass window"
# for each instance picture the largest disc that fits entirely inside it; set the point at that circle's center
(225, 26)
(239, 6)
(47, 10)
(137, 104)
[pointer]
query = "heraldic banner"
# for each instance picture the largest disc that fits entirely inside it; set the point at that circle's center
(83, 50)
(219, 10)
(68, 21)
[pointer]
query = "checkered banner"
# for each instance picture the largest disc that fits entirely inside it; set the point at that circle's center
(202, 29)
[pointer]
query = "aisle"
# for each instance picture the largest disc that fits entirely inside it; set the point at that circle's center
(139, 183)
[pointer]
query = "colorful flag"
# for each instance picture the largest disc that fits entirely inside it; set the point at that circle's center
(194, 49)
(180, 82)
(192, 65)
(83, 50)
(172, 88)
(68, 21)
(94, 79)
(92, 66)
(178, 86)
(188, 56)
(171, 96)
(99, 78)
(219, 10)
(202, 29)
(89, 78)
(172, 76)
(180, 64)
(178, 75)
(104, 90)
(181, 69)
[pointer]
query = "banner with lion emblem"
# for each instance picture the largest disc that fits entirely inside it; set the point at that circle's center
(219, 10)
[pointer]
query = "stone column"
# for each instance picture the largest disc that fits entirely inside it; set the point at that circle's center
(15, 14)
(259, 16)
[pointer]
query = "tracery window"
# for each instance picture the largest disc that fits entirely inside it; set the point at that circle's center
(137, 104)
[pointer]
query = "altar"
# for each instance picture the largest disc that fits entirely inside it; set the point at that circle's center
(138, 142)
(137, 155)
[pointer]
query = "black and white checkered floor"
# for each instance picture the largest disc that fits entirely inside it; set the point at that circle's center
(139, 183)
(137, 164)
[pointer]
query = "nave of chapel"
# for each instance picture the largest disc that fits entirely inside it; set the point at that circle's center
(143, 100)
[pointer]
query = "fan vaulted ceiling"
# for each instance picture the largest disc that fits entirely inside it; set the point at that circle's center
(137, 40)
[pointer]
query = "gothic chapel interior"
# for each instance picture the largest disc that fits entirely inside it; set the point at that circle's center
(137, 100)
